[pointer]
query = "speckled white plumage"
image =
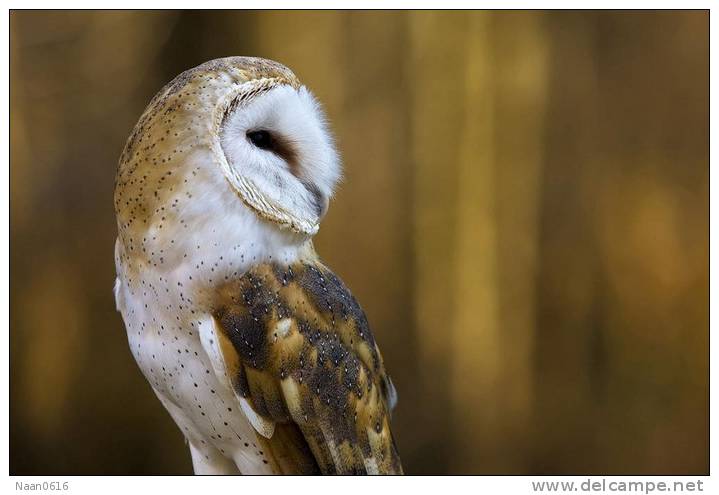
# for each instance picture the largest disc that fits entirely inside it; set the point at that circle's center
(166, 318)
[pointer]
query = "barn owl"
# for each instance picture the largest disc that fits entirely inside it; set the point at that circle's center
(259, 353)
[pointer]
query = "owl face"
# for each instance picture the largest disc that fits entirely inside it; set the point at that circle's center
(279, 141)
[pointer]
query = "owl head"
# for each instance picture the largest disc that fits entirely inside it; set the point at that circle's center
(234, 144)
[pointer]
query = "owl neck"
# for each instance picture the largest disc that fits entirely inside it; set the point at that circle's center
(200, 253)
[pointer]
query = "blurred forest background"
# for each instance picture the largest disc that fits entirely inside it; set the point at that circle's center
(535, 190)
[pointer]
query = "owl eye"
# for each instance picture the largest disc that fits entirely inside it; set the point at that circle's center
(262, 139)
(276, 144)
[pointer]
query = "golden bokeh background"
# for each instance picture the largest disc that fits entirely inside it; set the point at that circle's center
(524, 218)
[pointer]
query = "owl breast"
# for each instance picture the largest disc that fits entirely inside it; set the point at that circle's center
(166, 312)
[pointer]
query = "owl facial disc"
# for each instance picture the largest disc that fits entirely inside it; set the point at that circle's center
(275, 150)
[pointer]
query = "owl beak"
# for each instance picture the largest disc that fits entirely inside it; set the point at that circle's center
(320, 202)
(323, 203)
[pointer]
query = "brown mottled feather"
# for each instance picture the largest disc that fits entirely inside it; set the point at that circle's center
(305, 359)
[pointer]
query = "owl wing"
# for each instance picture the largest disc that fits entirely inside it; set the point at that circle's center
(297, 350)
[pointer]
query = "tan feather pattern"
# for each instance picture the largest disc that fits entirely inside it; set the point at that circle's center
(298, 349)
